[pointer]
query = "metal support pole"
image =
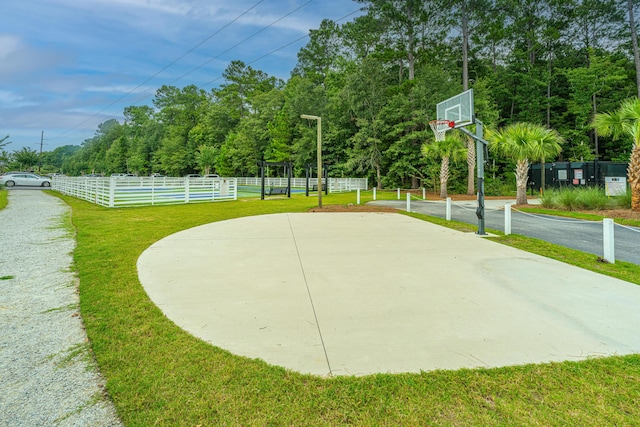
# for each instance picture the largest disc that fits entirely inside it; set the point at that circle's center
(306, 175)
(319, 162)
(480, 165)
(480, 150)
(289, 168)
(261, 180)
(325, 171)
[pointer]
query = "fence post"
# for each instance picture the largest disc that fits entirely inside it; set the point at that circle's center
(448, 209)
(112, 192)
(408, 202)
(609, 240)
(374, 193)
(358, 198)
(507, 219)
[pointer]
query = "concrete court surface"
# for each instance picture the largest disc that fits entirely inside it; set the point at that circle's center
(362, 293)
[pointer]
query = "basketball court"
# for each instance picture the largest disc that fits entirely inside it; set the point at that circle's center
(363, 293)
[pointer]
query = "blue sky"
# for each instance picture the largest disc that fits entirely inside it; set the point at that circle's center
(63, 62)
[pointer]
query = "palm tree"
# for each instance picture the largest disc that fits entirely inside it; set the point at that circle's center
(2, 141)
(451, 149)
(625, 122)
(524, 142)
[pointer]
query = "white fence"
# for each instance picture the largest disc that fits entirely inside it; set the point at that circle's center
(336, 185)
(144, 191)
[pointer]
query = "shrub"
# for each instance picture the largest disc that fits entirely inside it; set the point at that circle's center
(623, 201)
(548, 199)
(497, 187)
(583, 198)
(567, 199)
(592, 198)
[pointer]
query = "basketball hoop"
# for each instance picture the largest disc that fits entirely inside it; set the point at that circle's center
(440, 128)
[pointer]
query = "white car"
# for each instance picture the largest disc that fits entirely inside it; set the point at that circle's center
(25, 179)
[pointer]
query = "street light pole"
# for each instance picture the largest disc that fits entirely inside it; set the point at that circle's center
(319, 119)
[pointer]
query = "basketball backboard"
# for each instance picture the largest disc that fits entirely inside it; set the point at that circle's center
(458, 109)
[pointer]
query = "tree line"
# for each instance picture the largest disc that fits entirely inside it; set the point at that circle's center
(376, 81)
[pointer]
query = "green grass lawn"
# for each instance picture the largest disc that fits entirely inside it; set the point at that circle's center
(3, 198)
(157, 374)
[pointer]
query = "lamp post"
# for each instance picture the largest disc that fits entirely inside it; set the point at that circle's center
(306, 116)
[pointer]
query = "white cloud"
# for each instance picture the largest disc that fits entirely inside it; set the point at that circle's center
(9, 45)
(120, 88)
(19, 60)
(10, 99)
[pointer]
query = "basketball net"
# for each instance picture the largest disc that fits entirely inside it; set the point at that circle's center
(440, 128)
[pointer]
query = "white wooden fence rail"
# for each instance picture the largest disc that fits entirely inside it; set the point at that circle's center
(143, 191)
(336, 185)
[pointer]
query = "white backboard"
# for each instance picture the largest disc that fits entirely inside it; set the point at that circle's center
(458, 109)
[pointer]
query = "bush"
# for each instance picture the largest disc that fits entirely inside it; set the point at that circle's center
(583, 198)
(624, 201)
(592, 198)
(548, 199)
(492, 187)
(567, 199)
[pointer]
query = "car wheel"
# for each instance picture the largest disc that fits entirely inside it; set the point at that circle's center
(9, 183)
(46, 184)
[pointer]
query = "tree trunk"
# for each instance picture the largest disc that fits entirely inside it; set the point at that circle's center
(633, 172)
(411, 43)
(634, 40)
(471, 166)
(444, 177)
(549, 69)
(522, 172)
(543, 175)
(465, 47)
(595, 132)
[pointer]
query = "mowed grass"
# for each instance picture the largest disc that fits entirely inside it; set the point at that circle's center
(157, 374)
(3, 198)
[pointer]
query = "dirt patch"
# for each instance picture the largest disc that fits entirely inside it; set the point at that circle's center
(616, 213)
(353, 208)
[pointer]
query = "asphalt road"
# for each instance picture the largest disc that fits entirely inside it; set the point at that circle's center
(585, 236)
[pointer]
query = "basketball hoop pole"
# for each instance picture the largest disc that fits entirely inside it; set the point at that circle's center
(480, 146)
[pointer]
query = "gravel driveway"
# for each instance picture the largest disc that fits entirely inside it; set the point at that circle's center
(47, 374)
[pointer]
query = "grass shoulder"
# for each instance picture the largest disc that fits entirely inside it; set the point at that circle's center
(4, 200)
(625, 217)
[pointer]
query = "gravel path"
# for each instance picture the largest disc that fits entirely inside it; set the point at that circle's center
(47, 374)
